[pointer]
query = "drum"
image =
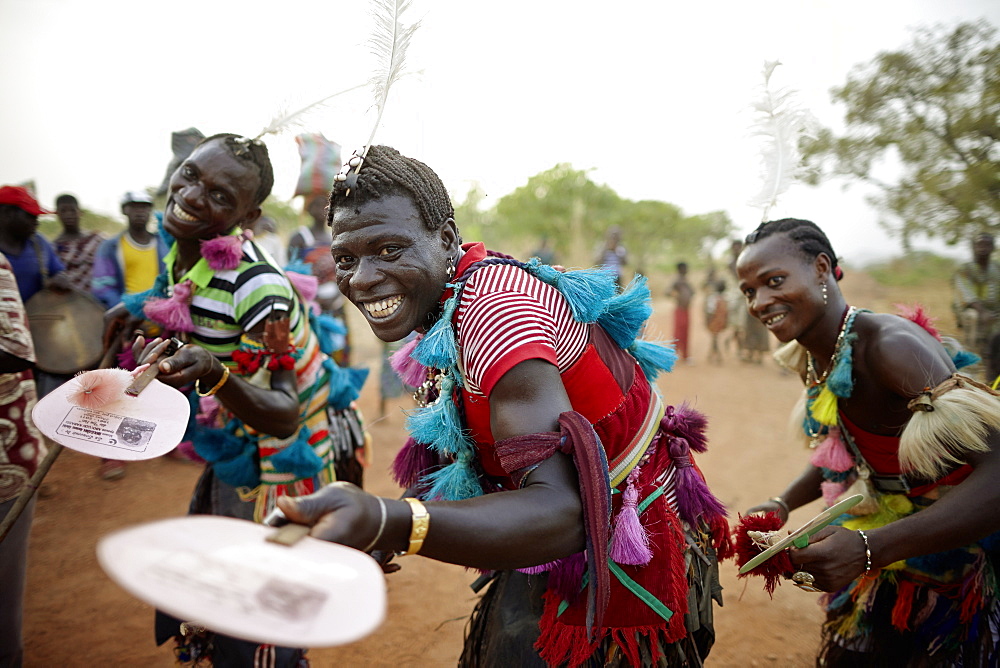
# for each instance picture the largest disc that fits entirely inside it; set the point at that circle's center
(66, 328)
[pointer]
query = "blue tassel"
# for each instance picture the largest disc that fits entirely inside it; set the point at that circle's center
(215, 445)
(135, 301)
(438, 348)
(439, 426)
(329, 332)
(585, 290)
(345, 384)
(299, 267)
(298, 458)
(964, 358)
(240, 471)
(627, 313)
(653, 357)
(841, 378)
(454, 482)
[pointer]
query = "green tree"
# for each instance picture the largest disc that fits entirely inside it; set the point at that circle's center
(933, 110)
(562, 204)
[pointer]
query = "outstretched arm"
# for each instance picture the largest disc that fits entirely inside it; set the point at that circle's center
(538, 523)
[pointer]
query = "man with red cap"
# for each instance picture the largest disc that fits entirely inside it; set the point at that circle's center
(32, 257)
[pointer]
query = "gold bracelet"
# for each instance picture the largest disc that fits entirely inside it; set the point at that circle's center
(420, 523)
(222, 381)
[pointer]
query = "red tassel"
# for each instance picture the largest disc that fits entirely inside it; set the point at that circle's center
(774, 568)
(722, 539)
(904, 605)
(562, 644)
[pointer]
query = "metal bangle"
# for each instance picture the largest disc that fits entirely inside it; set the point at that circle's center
(381, 525)
(781, 502)
(868, 552)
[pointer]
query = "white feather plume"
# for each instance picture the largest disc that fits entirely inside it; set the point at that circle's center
(781, 122)
(389, 42)
(284, 119)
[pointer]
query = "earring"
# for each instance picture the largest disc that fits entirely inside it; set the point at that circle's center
(826, 297)
(451, 269)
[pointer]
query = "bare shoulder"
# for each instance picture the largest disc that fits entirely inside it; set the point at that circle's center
(899, 354)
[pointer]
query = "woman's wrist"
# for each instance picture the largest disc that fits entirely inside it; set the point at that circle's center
(213, 380)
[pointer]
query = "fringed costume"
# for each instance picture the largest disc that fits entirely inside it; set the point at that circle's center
(939, 609)
(247, 471)
(641, 593)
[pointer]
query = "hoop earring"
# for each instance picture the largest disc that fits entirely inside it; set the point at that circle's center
(826, 297)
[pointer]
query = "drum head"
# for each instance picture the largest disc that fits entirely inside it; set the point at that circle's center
(221, 573)
(66, 328)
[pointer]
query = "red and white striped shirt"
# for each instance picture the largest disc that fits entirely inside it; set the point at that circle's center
(507, 316)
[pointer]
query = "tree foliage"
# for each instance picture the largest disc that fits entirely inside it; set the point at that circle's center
(933, 109)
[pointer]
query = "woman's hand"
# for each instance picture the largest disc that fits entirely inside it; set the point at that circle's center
(835, 556)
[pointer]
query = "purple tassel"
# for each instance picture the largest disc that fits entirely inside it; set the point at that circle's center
(126, 359)
(630, 544)
(542, 568)
(223, 252)
(409, 370)
(412, 461)
(567, 575)
(687, 423)
(694, 499)
(306, 285)
(174, 313)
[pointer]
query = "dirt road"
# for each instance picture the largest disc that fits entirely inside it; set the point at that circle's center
(75, 616)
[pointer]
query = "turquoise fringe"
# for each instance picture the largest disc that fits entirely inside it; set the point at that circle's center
(454, 482)
(627, 312)
(841, 378)
(585, 290)
(438, 349)
(345, 384)
(653, 357)
(298, 457)
(964, 358)
(135, 301)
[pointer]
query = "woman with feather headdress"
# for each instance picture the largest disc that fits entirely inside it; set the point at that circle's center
(275, 414)
(541, 454)
(913, 572)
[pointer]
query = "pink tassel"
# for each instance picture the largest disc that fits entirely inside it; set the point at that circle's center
(223, 252)
(694, 499)
(174, 313)
(630, 544)
(832, 491)
(536, 570)
(832, 454)
(917, 314)
(409, 370)
(412, 461)
(94, 389)
(307, 286)
(208, 411)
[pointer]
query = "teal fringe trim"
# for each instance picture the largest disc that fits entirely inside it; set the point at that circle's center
(438, 348)
(298, 458)
(585, 290)
(964, 358)
(454, 482)
(299, 267)
(653, 357)
(841, 379)
(439, 426)
(627, 313)
(328, 329)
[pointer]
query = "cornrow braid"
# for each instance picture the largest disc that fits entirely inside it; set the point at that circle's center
(808, 238)
(386, 172)
(252, 151)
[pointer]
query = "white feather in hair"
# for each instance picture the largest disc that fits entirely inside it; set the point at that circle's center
(284, 119)
(781, 123)
(389, 41)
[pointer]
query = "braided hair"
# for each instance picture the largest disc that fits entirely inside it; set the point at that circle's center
(805, 234)
(253, 151)
(386, 172)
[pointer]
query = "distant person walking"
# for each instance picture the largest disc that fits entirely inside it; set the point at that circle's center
(613, 257)
(682, 293)
(75, 247)
(716, 318)
(976, 303)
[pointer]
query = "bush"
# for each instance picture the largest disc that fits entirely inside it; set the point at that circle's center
(914, 269)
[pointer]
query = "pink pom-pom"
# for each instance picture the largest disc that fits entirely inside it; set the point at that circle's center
(409, 370)
(832, 491)
(223, 252)
(917, 314)
(832, 453)
(306, 284)
(94, 389)
(174, 313)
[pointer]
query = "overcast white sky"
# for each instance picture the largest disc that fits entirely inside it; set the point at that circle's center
(653, 95)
